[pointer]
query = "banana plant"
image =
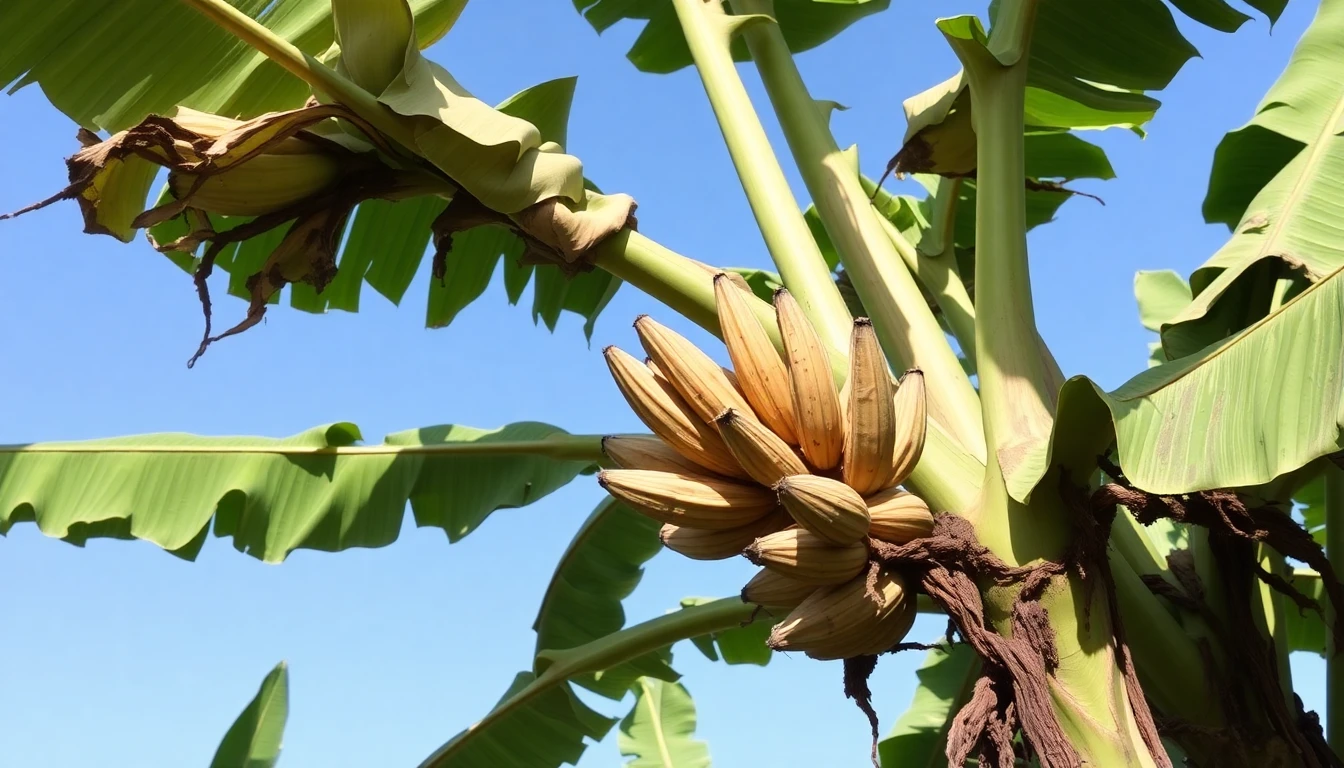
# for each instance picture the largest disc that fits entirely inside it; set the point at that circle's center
(1115, 564)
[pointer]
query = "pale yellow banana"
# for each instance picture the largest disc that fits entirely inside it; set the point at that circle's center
(828, 508)
(911, 420)
(898, 516)
(816, 404)
(768, 588)
(697, 501)
(695, 376)
(647, 452)
(870, 436)
(847, 621)
(806, 557)
(662, 378)
(763, 456)
(762, 375)
(701, 544)
(664, 412)
(265, 183)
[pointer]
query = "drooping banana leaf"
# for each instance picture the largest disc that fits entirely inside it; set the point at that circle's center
(108, 63)
(190, 62)
(602, 566)
(541, 723)
(742, 644)
(1240, 412)
(1276, 184)
(319, 489)
(253, 741)
(659, 732)
(661, 46)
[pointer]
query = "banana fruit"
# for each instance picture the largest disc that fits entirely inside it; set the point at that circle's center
(663, 411)
(805, 556)
(828, 508)
(771, 460)
(898, 516)
(703, 544)
(697, 501)
(770, 589)
(763, 454)
(816, 403)
(647, 452)
(848, 620)
(870, 413)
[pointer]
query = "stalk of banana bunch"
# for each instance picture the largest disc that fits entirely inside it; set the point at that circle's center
(772, 461)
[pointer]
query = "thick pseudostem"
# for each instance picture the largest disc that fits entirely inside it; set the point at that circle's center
(1261, 721)
(1014, 691)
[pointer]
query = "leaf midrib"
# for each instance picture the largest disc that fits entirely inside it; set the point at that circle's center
(1317, 148)
(656, 713)
(545, 447)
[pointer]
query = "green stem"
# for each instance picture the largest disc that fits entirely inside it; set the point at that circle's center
(1012, 373)
(938, 274)
(1334, 545)
(308, 69)
(906, 327)
(709, 33)
(947, 477)
(557, 667)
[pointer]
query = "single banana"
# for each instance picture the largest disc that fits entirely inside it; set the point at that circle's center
(647, 452)
(806, 557)
(662, 378)
(763, 377)
(898, 516)
(911, 419)
(828, 508)
(701, 544)
(870, 436)
(664, 412)
(847, 621)
(816, 404)
(765, 457)
(695, 376)
(696, 501)
(768, 588)
(264, 183)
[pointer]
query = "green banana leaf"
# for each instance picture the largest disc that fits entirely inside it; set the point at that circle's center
(541, 723)
(1240, 412)
(387, 243)
(1275, 183)
(190, 62)
(1091, 65)
(602, 566)
(253, 741)
(919, 737)
(109, 63)
(534, 724)
(661, 47)
(580, 620)
(659, 732)
(316, 490)
(740, 644)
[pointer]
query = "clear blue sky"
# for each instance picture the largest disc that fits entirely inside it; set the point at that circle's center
(121, 656)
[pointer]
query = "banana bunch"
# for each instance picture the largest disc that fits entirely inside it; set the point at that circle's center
(770, 460)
